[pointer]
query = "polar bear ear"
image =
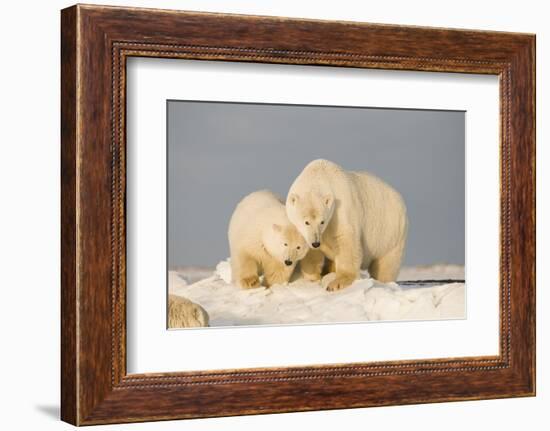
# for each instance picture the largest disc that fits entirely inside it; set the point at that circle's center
(293, 198)
(277, 228)
(328, 200)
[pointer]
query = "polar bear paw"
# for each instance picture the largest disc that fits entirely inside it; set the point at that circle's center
(339, 283)
(250, 282)
(315, 276)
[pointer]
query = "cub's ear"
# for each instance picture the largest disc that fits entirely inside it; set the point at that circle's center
(327, 199)
(293, 198)
(277, 228)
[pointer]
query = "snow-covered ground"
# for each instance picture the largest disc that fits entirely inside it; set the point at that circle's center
(303, 302)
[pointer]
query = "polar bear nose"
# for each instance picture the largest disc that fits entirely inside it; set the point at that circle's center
(315, 244)
(288, 262)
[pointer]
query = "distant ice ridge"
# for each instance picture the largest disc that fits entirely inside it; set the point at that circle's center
(303, 302)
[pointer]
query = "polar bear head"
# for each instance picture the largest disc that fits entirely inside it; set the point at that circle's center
(284, 243)
(310, 213)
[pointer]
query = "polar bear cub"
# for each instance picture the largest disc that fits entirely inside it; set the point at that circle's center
(354, 219)
(263, 241)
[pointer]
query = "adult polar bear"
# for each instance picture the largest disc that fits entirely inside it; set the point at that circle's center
(353, 218)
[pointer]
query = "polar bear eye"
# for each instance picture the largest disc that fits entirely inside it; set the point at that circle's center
(307, 223)
(298, 248)
(323, 222)
(286, 245)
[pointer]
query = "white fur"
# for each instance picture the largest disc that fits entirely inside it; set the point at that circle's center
(261, 239)
(360, 221)
(183, 313)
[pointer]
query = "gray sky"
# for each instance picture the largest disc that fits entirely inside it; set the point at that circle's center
(220, 152)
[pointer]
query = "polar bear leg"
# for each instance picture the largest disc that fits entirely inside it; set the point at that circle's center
(329, 266)
(386, 268)
(311, 265)
(244, 271)
(277, 273)
(347, 263)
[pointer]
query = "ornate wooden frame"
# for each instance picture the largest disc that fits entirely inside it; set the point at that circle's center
(95, 43)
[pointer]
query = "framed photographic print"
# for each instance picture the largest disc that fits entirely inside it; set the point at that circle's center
(265, 214)
(421, 151)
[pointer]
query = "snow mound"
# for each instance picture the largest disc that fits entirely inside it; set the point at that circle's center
(304, 302)
(223, 270)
